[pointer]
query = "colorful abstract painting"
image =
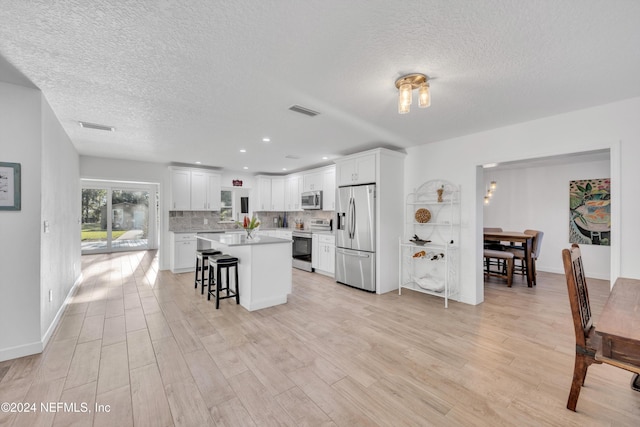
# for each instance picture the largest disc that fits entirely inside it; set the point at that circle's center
(590, 210)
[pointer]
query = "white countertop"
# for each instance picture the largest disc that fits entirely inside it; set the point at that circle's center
(240, 239)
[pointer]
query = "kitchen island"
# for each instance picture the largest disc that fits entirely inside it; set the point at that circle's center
(264, 266)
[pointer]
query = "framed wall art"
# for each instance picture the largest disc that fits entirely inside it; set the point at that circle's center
(590, 211)
(9, 186)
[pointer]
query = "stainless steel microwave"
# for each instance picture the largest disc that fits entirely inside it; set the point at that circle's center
(311, 200)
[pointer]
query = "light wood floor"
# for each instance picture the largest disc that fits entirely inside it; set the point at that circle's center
(154, 350)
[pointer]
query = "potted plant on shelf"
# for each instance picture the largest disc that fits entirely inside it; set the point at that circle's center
(249, 225)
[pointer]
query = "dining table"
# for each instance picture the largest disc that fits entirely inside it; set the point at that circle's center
(527, 245)
(619, 327)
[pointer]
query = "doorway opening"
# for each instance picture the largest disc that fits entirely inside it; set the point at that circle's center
(534, 194)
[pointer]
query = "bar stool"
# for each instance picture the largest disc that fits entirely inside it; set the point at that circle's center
(202, 264)
(223, 261)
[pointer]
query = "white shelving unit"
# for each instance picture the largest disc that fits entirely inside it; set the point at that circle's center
(432, 268)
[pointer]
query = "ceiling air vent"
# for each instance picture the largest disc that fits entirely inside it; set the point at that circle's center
(291, 156)
(302, 110)
(96, 126)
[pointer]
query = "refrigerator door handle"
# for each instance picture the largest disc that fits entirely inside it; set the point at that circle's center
(351, 224)
(354, 254)
(353, 219)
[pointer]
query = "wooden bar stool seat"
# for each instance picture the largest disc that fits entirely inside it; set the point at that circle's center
(202, 265)
(223, 262)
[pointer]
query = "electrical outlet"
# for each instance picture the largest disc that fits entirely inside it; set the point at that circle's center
(206, 221)
(46, 226)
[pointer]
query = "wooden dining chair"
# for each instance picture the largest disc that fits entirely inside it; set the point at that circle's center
(588, 343)
(519, 254)
(494, 246)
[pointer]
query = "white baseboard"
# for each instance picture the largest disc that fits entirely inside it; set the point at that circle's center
(21, 351)
(589, 275)
(38, 346)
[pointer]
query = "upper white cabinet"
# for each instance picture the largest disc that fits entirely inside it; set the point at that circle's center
(205, 191)
(356, 170)
(263, 194)
(329, 189)
(180, 189)
(293, 188)
(282, 193)
(194, 190)
(312, 181)
(277, 194)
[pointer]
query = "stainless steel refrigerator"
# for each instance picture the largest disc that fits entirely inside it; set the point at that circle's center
(356, 236)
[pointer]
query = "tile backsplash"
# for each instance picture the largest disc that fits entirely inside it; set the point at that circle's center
(195, 220)
(267, 218)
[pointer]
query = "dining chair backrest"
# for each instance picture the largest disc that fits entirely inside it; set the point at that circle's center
(490, 229)
(536, 243)
(578, 294)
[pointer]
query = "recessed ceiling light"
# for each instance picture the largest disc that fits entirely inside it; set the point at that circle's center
(284, 169)
(325, 158)
(266, 139)
(198, 163)
(246, 167)
(243, 151)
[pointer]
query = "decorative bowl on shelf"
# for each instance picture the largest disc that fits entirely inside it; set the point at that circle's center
(419, 242)
(423, 215)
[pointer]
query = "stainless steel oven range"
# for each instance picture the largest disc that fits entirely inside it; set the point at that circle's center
(303, 242)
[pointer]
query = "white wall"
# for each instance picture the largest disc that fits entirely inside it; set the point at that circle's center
(613, 126)
(60, 207)
(537, 198)
(31, 261)
(20, 230)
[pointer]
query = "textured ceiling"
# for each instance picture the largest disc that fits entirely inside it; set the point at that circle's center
(198, 80)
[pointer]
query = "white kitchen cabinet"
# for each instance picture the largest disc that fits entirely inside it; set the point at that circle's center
(329, 189)
(312, 181)
(183, 252)
(277, 194)
(194, 190)
(293, 188)
(205, 191)
(263, 194)
(326, 254)
(180, 190)
(356, 170)
(284, 234)
(315, 257)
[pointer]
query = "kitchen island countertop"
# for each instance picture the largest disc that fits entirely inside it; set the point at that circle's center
(264, 266)
(239, 239)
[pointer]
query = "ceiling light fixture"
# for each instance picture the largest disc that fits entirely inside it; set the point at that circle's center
(406, 85)
(325, 158)
(96, 126)
(198, 163)
(246, 167)
(243, 150)
(266, 139)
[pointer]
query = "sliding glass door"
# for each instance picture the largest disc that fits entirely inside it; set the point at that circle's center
(118, 217)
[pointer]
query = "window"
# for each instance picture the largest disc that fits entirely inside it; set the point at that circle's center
(226, 205)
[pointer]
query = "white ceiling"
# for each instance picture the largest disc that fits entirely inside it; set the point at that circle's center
(198, 80)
